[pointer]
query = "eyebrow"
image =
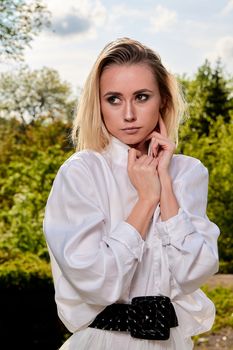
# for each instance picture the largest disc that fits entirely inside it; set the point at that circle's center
(120, 94)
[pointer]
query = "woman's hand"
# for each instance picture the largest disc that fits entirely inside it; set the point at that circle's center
(150, 176)
(142, 171)
(162, 149)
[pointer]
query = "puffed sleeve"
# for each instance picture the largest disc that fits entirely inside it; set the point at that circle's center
(98, 265)
(190, 238)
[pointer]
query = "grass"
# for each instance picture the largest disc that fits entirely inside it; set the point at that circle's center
(222, 297)
(223, 300)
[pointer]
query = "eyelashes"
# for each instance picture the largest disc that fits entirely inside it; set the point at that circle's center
(115, 100)
(142, 97)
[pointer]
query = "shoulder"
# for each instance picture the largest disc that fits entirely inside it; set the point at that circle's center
(82, 161)
(82, 171)
(183, 166)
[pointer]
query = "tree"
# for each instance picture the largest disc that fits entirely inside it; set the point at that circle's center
(29, 95)
(29, 160)
(208, 136)
(20, 21)
(215, 151)
(209, 96)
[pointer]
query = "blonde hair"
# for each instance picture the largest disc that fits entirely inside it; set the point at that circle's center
(89, 131)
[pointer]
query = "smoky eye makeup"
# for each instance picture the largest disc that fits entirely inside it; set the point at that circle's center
(113, 99)
(142, 97)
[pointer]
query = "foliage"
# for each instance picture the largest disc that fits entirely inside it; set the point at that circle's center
(24, 270)
(215, 151)
(27, 297)
(31, 153)
(209, 95)
(29, 95)
(208, 135)
(223, 301)
(29, 159)
(20, 21)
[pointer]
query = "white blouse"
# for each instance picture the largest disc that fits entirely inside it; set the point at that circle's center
(97, 258)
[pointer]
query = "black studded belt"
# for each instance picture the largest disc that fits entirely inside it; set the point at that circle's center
(149, 317)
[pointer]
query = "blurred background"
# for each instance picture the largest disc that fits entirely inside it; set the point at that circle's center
(46, 51)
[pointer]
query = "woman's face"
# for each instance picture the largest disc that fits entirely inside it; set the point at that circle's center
(130, 102)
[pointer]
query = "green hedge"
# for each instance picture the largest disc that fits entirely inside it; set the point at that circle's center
(25, 270)
(28, 317)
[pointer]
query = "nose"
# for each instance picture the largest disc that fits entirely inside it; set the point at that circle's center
(129, 113)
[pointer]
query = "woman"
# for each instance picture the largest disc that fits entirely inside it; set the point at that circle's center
(125, 222)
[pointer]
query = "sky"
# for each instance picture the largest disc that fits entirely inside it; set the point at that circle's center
(184, 33)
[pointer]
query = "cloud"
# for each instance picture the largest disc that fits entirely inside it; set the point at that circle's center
(228, 8)
(71, 24)
(122, 10)
(224, 47)
(77, 17)
(153, 20)
(224, 50)
(162, 19)
(122, 17)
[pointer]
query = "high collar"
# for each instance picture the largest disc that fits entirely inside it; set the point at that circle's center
(117, 151)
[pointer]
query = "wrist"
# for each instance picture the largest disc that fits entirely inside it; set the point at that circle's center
(141, 215)
(149, 202)
(165, 178)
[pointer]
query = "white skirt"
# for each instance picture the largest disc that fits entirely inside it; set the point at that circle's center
(97, 339)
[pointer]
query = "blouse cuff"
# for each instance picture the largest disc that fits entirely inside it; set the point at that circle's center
(175, 228)
(127, 235)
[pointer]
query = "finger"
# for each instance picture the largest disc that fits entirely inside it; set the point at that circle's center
(151, 145)
(150, 136)
(162, 126)
(155, 162)
(155, 135)
(160, 155)
(147, 160)
(132, 156)
(144, 159)
(155, 148)
(164, 141)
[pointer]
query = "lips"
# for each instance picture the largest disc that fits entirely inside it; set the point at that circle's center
(131, 127)
(131, 130)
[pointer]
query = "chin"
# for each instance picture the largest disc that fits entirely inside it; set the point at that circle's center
(141, 145)
(132, 140)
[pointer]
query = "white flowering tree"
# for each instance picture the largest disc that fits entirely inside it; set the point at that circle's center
(31, 94)
(20, 21)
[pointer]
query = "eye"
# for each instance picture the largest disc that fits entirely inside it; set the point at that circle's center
(113, 100)
(142, 97)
